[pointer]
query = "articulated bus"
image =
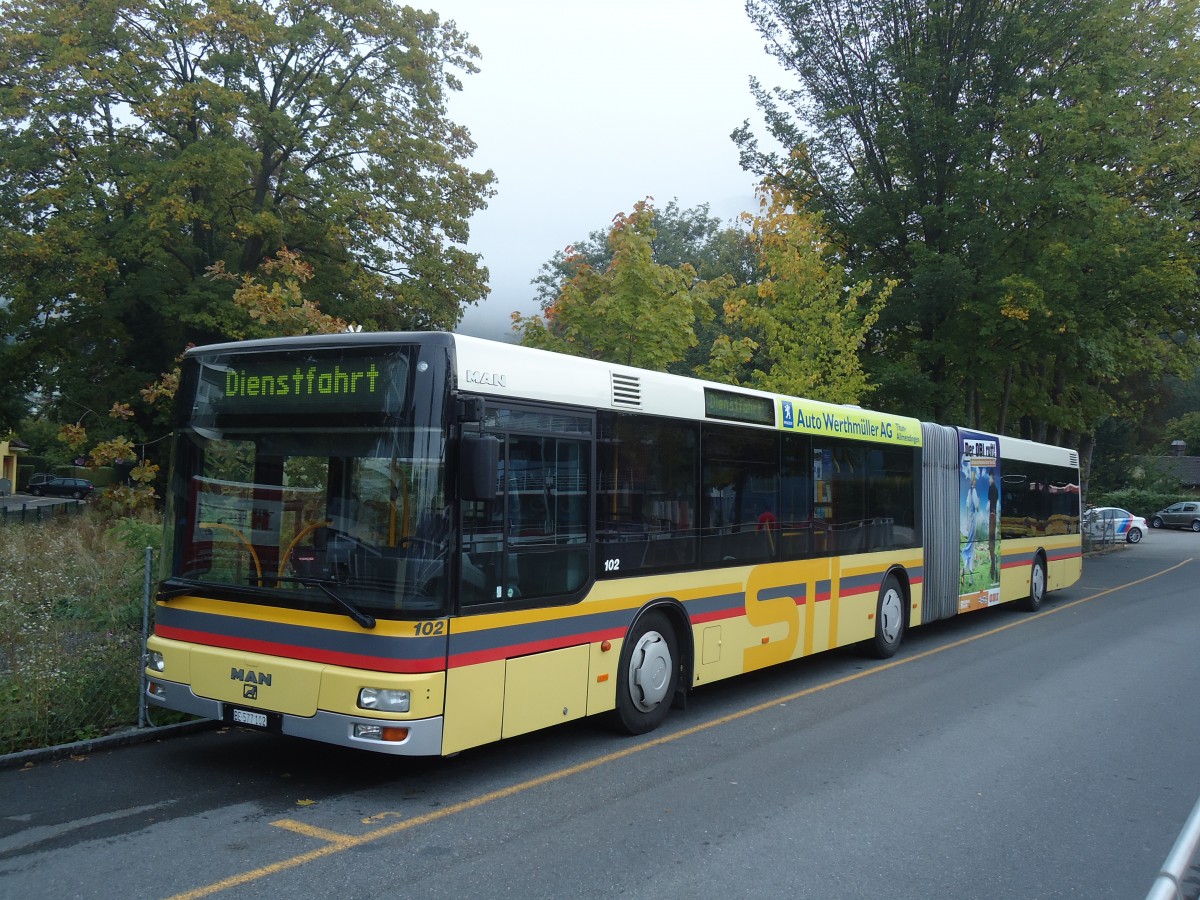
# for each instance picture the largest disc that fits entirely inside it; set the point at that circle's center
(420, 543)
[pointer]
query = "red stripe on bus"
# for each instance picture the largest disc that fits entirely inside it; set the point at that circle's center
(718, 615)
(509, 651)
(304, 654)
(865, 589)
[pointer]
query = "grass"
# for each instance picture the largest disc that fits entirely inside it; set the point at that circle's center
(71, 592)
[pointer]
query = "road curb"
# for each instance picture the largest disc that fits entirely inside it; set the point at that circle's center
(25, 758)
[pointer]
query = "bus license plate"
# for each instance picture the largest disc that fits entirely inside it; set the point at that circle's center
(246, 717)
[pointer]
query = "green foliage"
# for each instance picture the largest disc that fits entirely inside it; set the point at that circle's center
(800, 328)
(635, 311)
(1115, 458)
(1141, 501)
(142, 144)
(1027, 172)
(1183, 428)
(41, 435)
(70, 629)
(137, 533)
(681, 237)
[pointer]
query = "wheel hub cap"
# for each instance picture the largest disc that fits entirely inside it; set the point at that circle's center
(649, 671)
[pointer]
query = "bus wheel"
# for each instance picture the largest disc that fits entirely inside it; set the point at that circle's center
(1037, 586)
(889, 618)
(648, 674)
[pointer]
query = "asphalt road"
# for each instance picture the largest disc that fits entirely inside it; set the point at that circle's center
(1001, 754)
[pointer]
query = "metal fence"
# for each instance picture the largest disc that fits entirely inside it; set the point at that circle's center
(1098, 533)
(14, 511)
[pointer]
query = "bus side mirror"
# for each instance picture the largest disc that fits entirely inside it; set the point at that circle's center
(478, 467)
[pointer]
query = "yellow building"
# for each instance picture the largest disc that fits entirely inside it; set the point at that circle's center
(9, 448)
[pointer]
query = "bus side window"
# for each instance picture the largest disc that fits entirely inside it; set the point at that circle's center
(648, 471)
(532, 542)
(740, 494)
(548, 509)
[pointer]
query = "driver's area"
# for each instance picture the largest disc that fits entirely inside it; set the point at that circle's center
(361, 513)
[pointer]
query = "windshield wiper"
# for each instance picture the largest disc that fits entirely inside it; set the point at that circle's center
(352, 611)
(173, 592)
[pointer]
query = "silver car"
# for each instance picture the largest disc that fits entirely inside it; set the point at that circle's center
(1178, 515)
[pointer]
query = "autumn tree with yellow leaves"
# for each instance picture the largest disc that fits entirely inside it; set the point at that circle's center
(801, 328)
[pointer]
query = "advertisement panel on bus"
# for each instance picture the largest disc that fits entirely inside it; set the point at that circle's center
(979, 518)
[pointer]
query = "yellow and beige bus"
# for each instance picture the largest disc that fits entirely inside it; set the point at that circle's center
(420, 543)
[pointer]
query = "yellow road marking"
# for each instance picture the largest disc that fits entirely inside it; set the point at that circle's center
(339, 842)
(323, 834)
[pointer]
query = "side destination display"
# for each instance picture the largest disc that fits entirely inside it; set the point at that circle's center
(831, 420)
(738, 407)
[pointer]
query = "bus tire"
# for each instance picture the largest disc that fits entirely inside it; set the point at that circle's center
(648, 674)
(889, 618)
(1037, 586)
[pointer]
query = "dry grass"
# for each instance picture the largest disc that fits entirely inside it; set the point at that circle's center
(71, 594)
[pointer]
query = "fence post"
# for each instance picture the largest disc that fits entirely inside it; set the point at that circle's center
(145, 635)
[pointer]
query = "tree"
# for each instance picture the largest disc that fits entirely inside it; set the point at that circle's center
(634, 311)
(1185, 428)
(142, 143)
(801, 326)
(272, 303)
(682, 237)
(1026, 171)
(280, 307)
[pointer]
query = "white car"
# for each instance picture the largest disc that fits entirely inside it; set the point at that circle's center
(1111, 523)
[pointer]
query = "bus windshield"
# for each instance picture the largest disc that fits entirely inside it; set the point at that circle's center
(299, 513)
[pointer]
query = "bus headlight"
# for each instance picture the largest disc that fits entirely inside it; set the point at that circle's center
(155, 661)
(383, 700)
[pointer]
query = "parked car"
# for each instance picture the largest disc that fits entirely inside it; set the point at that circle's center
(56, 486)
(1185, 514)
(1113, 523)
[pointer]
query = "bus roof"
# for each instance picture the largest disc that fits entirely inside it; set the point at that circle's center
(496, 368)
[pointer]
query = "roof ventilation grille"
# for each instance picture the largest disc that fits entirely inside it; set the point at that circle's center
(626, 391)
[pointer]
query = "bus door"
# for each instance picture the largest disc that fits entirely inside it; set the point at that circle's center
(512, 669)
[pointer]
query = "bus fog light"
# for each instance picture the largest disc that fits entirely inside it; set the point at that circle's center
(383, 700)
(391, 734)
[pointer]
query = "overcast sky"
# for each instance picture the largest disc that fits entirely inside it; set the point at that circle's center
(583, 108)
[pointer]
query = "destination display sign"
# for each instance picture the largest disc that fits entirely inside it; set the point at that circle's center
(301, 384)
(312, 382)
(738, 407)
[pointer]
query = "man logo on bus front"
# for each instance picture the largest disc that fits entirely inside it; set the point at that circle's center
(250, 691)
